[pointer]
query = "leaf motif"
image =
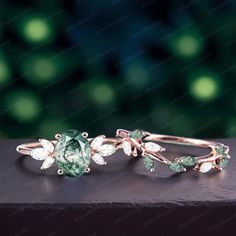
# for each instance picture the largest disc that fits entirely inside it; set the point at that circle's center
(205, 167)
(106, 150)
(97, 142)
(47, 145)
(39, 154)
(127, 148)
(47, 163)
(98, 159)
(149, 163)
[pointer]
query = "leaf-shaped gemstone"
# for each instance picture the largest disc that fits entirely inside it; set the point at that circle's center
(224, 161)
(47, 145)
(47, 163)
(188, 160)
(97, 142)
(106, 150)
(176, 167)
(98, 159)
(205, 167)
(38, 154)
(127, 148)
(153, 147)
(149, 163)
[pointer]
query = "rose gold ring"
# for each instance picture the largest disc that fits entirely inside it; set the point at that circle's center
(72, 151)
(141, 143)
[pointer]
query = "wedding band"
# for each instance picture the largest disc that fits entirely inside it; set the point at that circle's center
(72, 151)
(142, 143)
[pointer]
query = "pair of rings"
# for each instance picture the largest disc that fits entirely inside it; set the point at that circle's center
(73, 151)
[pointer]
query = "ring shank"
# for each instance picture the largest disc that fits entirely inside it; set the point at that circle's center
(179, 140)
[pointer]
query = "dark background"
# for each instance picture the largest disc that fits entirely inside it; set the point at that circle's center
(163, 66)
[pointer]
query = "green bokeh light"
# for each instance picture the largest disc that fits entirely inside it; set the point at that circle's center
(37, 30)
(187, 45)
(23, 105)
(102, 93)
(204, 88)
(137, 75)
(41, 69)
(5, 72)
(51, 126)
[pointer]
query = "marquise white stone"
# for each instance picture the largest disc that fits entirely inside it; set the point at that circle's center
(127, 148)
(153, 147)
(205, 167)
(106, 150)
(39, 154)
(47, 163)
(47, 145)
(98, 159)
(97, 142)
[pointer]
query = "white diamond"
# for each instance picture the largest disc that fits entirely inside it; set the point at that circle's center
(47, 163)
(47, 145)
(38, 154)
(97, 142)
(98, 159)
(106, 150)
(127, 148)
(205, 167)
(153, 147)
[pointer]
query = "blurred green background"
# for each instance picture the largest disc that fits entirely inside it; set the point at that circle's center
(163, 66)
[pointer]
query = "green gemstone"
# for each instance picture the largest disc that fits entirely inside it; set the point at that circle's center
(136, 134)
(176, 167)
(224, 161)
(220, 149)
(149, 163)
(188, 160)
(72, 153)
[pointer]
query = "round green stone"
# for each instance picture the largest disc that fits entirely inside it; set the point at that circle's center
(188, 160)
(223, 162)
(176, 167)
(136, 134)
(72, 153)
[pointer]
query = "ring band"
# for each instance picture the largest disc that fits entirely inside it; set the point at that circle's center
(72, 151)
(144, 143)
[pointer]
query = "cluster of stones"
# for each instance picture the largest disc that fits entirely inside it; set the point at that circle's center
(73, 153)
(149, 146)
(183, 162)
(224, 157)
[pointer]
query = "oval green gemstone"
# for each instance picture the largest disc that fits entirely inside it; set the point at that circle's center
(188, 160)
(223, 162)
(176, 167)
(72, 153)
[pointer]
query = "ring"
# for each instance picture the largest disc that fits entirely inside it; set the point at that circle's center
(72, 151)
(141, 143)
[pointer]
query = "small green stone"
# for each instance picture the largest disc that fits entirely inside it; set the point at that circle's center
(223, 162)
(220, 149)
(176, 167)
(136, 134)
(188, 160)
(149, 163)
